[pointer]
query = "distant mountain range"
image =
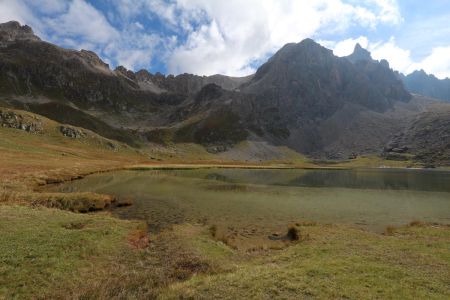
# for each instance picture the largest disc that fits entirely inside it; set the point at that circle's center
(419, 82)
(303, 98)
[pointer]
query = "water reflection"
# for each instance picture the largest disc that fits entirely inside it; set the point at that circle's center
(397, 179)
(264, 201)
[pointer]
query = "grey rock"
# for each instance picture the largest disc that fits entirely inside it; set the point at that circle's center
(71, 132)
(11, 119)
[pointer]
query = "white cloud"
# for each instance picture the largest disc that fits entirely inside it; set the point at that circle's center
(48, 6)
(78, 24)
(389, 11)
(214, 36)
(437, 62)
(84, 21)
(240, 32)
(345, 47)
(398, 58)
(17, 10)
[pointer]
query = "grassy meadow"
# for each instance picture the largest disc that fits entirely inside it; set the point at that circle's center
(50, 250)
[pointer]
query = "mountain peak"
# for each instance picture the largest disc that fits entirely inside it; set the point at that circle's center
(359, 53)
(358, 47)
(12, 31)
(420, 72)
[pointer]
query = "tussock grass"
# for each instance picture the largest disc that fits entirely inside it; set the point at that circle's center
(389, 230)
(5, 195)
(293, 233)
(213, 230)
(139, 239)
(76, 202)
(417, 223)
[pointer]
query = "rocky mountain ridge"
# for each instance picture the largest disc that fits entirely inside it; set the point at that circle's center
(12, 31)
(304, 98)
(419, 82)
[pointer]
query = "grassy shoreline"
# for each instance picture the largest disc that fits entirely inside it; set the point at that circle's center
(48, 252)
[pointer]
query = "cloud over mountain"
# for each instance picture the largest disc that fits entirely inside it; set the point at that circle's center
(229, 37)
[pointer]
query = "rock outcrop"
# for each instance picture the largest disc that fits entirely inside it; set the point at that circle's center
(71, 132)
(359, 54)
(12, 32)
(11, 119)
(426, 138)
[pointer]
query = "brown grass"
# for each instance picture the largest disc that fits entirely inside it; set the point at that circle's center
(389, 230)
(306, 223)
(5, 195)
(417, 223)
(76, 202)
(139, 239)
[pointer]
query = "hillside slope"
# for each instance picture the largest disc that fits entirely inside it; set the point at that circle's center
(35, 148)
(303, 98)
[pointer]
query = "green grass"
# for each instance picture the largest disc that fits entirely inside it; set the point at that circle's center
(48, 253)
(337, 262)
(372, 161)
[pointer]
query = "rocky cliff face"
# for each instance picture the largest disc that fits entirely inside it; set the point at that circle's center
(11, 32)
(426, 138)
(304, 86)
(304, 97)
(419, 82)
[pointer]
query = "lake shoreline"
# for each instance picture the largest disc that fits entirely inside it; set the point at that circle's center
(121, 247)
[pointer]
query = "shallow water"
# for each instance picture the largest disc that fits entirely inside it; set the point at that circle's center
(263, 201)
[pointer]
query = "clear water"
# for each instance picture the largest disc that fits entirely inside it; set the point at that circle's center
(264, 201)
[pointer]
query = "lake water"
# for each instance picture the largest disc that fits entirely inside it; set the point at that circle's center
(260, 201)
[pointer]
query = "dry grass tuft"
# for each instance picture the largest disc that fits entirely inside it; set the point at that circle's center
(6, 195)
(74, 225)
(389, 230)
(122, 202)
(139, 239)
(416, 223)
(185, 268)
(76, 202)
(213, 230)
(306, 223)
(293, 233)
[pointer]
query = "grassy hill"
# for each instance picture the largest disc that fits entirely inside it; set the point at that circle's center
(44, 152)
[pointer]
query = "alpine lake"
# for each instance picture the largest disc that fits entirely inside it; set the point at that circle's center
(252, 206)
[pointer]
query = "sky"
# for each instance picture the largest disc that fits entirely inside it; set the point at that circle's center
(234, 37)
